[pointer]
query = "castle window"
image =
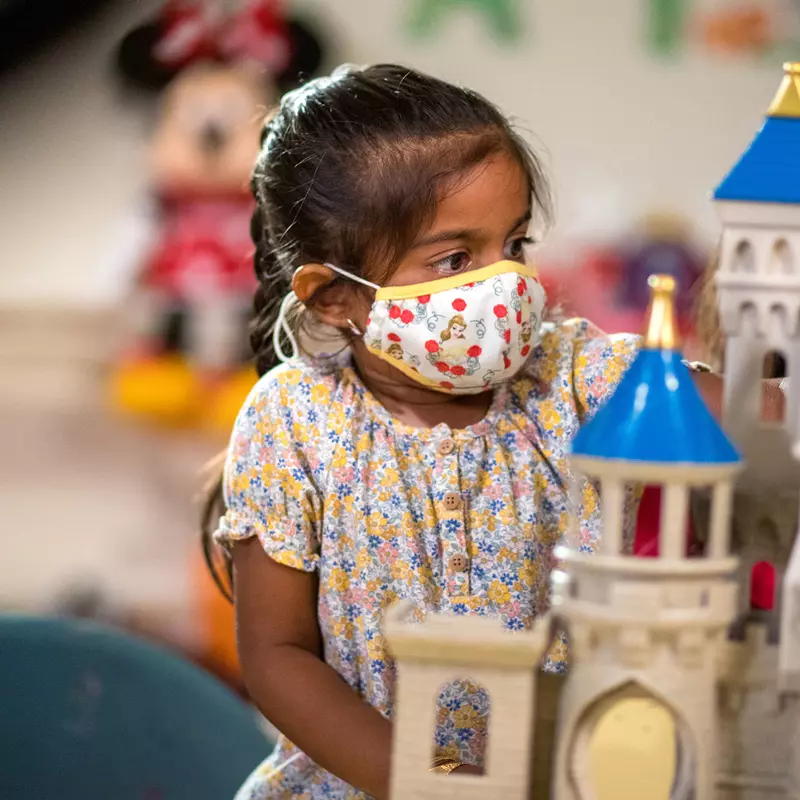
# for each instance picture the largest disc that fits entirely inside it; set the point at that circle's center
(774, 367)
(744, 257)
(463, 711)
(780, 259)
(648, 526)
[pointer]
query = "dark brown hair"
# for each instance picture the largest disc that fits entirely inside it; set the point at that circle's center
(351, 167)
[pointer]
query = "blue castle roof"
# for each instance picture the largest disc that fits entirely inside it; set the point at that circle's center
(656, 415)
(769, 170)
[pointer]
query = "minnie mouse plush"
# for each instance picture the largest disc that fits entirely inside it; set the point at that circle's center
(195, 283)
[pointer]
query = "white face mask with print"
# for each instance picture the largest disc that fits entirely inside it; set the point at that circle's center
(460, 335)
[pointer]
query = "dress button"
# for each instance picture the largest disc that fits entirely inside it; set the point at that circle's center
(452, 501)
(459, 563)
(446, 447)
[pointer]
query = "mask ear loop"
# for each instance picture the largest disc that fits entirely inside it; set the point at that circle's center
(282, 327)
(355, 278)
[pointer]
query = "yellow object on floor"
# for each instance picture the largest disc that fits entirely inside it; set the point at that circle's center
(633, 752)
(227, 400)
(169, 392)
(165, 390)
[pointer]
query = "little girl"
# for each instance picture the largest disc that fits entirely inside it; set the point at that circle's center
(388, 203)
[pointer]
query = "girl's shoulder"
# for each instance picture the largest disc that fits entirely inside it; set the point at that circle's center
(293, 389)
(580, 363)
(290, 403)
(579, 337)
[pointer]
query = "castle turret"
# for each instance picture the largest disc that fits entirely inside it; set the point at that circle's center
(758, 281)
(649, 628)
(759, 290)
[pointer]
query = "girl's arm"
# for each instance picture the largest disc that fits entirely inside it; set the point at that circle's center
(709, 385)
(280, 649)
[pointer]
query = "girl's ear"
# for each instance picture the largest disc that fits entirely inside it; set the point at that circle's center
(309, 279)
(331, 307)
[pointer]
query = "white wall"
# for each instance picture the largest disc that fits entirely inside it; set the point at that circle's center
(624, 132)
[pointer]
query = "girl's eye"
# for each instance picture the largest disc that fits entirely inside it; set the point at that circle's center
(516, 250)
(452, 264)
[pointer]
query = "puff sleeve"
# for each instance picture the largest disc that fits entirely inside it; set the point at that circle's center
(272, 474)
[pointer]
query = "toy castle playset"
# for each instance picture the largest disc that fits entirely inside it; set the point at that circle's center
(677, 688)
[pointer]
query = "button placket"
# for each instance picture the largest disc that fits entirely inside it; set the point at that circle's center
(450, 510)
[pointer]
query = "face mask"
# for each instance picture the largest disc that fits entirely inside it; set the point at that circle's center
(460, 335)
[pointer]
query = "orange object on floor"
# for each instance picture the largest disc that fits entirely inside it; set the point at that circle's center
(217, 622)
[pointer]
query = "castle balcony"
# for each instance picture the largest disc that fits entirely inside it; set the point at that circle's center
(661, 594)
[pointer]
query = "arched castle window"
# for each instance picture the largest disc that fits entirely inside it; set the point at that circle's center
(780, 259)
(629, 744)
(744, 257)
(748, 318)
(775, 366)
(463, 716)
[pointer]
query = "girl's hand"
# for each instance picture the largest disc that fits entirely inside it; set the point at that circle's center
(773, 401)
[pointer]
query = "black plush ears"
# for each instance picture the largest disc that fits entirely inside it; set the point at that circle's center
(138, 66)
(306, 58)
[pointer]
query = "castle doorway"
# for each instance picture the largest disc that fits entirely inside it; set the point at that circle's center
(630, 745)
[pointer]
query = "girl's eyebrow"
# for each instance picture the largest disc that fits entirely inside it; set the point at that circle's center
(464, 233)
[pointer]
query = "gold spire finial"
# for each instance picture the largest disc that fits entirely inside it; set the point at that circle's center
(787, 100)
(661, 331)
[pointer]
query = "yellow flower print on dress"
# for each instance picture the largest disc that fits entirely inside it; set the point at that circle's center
(338, 580)
(499, 593)
(320, 393)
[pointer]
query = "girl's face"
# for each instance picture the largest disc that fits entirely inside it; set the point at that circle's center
(484, 221)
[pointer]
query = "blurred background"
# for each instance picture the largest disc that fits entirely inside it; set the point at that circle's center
(118, 378)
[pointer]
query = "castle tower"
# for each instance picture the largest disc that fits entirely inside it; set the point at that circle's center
(759, 294)
(759, 281)
(649, 628)
(444, 649)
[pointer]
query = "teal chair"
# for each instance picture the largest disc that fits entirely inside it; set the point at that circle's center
(88, 713)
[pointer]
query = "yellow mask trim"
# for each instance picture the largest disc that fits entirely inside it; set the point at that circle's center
(443, 284)
(408, 371)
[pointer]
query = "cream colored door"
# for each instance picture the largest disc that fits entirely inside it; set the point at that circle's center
(632, 752)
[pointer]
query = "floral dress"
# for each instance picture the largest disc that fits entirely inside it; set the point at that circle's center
(460, 521)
